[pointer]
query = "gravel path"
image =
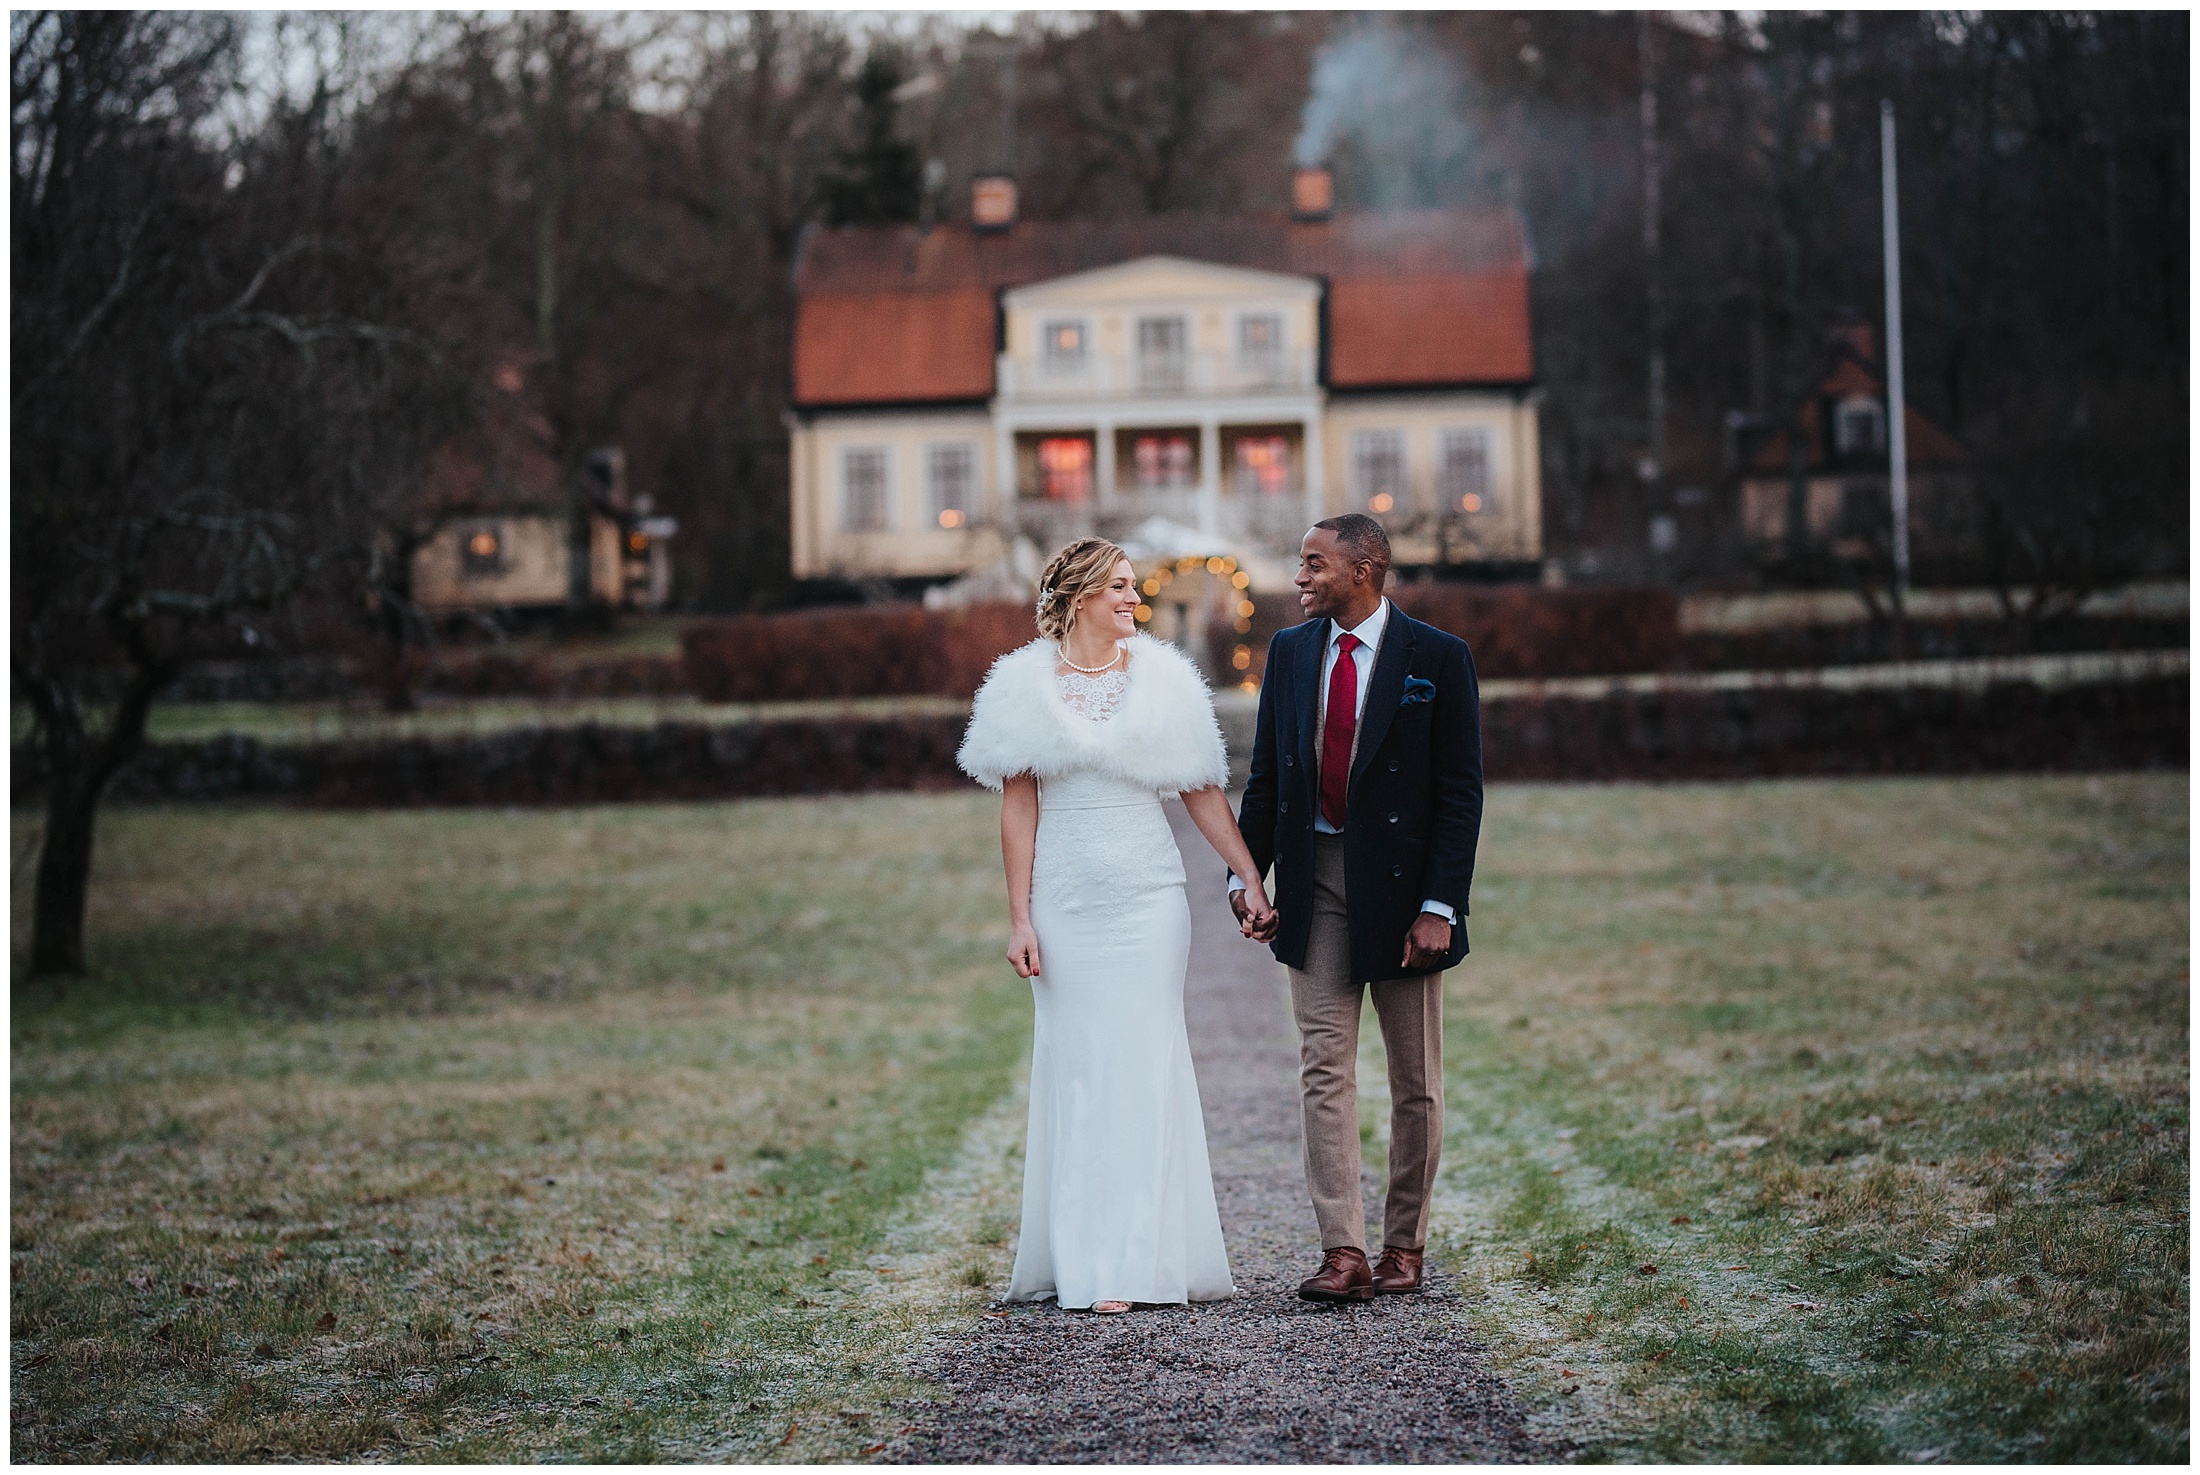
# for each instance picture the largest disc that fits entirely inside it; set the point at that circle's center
(1266, 1377)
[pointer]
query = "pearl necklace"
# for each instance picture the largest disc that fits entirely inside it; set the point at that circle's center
(1061, 651)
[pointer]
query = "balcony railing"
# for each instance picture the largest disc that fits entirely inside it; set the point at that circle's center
(1133, 378)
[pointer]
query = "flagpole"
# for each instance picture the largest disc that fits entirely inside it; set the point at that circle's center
(1898, 463)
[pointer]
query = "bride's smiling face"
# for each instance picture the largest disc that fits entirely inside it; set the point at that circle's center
(1112, 611)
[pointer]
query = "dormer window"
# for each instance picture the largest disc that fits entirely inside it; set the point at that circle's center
(1062, 346)
(1859, 428)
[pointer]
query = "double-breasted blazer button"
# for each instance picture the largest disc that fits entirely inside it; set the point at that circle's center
(1283, 806)
(1396, 871)
(1289, 759)
(1394, 816)
(1393, 764)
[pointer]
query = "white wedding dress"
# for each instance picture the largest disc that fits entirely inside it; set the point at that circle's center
(1119, 1202)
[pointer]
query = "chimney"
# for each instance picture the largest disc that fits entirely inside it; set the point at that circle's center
(993, 201)
(1855, 331)
(1311, 194)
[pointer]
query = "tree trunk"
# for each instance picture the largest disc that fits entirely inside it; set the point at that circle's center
(78, 768)
(64, 876)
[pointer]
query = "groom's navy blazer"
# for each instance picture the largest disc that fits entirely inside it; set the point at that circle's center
(1414, 805)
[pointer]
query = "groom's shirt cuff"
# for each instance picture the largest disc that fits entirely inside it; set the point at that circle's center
(1235, 884)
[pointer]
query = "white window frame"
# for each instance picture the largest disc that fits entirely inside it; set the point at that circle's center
(1843, 411)
(849, 522)
(1473, 475)
(937, 498)
(1269, 364)
(1364, 443)
(1159, 372)
(1063, 366)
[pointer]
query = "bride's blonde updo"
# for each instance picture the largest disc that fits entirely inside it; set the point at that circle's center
(1081, 568)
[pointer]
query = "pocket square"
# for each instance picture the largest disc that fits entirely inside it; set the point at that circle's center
(1417, 690)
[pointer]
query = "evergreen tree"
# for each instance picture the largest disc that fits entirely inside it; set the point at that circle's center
(877, 179)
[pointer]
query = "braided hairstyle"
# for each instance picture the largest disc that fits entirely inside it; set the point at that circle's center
(1081, 568)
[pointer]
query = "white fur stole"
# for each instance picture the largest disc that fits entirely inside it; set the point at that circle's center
(1163, 737)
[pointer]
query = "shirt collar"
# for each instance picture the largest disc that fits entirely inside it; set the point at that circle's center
(1369, 632)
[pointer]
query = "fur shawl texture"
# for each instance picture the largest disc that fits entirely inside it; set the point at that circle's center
(1163, 737)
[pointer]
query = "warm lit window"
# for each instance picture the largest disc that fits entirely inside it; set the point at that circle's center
(1065, 468)
(951, 475)
(1161, 353)
(1162, 461)
(1260, 344)
(1062, 347)
(1463, 470)
(863, 490)
(481, 550)
(1263, 465)
(1859, 429)
(1379, 469)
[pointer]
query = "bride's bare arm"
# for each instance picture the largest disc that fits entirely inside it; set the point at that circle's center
(1019, 839)
(1210, 810)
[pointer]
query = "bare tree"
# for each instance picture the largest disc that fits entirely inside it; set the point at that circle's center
(208, 421)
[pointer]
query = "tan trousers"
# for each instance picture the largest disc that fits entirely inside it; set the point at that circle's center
(1411, 1013)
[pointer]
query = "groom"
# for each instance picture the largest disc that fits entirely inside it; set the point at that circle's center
(1366, 797)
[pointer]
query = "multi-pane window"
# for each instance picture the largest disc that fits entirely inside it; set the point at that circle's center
(1162, 461)
(1463, 470)
(1263, 465)
(1161, 353)
(864, 492)
(1062, 346)
(1858, 428)
(1379, 469)
(1065, 468)
(1260, 344)
(951, 477)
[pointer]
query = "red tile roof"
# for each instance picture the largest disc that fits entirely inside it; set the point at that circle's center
(897, 314)
(1850, 375)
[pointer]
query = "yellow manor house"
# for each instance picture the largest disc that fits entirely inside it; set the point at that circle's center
(1198, 384)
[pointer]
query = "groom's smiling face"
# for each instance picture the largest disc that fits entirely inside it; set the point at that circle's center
(1332, 583)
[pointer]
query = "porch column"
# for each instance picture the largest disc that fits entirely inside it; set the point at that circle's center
(1210, 476)
(1103, 466)
(1310, 451)
(1004, 477)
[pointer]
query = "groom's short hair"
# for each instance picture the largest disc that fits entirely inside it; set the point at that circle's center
(1362, 537)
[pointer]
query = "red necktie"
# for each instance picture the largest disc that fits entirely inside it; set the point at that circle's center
(1344, 699)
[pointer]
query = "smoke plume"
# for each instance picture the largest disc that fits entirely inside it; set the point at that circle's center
(1387, 112)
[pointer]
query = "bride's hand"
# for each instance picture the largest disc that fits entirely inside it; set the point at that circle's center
(1023, 950)
(1259, 918)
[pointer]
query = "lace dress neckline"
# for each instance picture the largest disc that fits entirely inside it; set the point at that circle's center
(1093, 697)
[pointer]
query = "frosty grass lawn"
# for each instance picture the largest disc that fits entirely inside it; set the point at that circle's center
(671, 1130)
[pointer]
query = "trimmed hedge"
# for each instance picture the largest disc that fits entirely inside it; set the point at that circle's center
(862, 650)
(1527, 630)
(1697, 735)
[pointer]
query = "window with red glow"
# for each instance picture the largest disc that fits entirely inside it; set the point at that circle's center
(1263, 465)
(1161, 462)
(1065, 468)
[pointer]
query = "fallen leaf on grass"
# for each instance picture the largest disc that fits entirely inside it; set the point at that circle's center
(874, 1449)
(1668, 1352)
(1566, 1372)
(820, 1260)
(1682, 1219)
(193, 1288)
(1646, 1270)
(327, 1323)
(1734, 1267)
(141, 1282)
(790, 1435)
(1804, 1306)
(1684, 1303)
(718, 1165)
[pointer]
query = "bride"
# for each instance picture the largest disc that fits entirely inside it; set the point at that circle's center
(1084, 731)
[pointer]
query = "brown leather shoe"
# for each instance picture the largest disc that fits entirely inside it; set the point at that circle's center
(1344, 1276)
(1397, 1272)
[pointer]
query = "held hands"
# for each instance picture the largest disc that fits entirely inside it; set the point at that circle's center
(1023, 950)
(1256, 918)
(1427, 941)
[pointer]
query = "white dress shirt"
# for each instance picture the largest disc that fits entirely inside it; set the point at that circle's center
(1369, 632)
